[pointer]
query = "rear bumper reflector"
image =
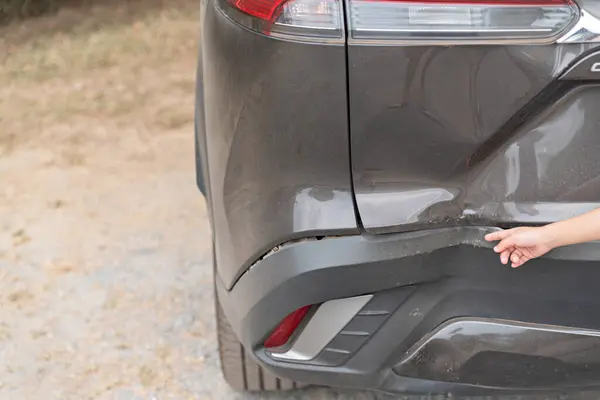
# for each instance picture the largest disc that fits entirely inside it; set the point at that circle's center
(328, 321)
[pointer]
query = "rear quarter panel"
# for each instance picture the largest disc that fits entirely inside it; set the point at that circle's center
(277, 141)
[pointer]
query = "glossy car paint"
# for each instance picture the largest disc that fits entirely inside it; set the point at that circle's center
(276, 131)
(425, 119)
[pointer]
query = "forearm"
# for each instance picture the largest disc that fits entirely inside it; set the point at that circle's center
(581, 229)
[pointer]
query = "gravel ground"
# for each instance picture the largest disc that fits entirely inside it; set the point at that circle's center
(105, 279)
(105, 270)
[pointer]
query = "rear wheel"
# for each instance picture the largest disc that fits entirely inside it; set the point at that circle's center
(239, 368)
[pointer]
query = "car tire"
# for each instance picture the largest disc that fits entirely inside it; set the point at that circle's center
(240, 370)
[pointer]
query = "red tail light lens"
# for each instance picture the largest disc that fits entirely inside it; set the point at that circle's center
(294, 18)
(261, 9)
(286, 328)
(440, 20)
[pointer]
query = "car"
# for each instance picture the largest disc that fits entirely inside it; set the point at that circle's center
(354, 153)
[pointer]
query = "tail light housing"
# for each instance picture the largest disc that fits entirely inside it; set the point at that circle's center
(459, 20)
(289, 18)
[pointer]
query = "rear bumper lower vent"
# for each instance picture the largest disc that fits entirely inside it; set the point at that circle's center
(505, 354)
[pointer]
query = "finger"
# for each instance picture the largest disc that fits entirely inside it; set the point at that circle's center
(518, 258)
(515, 258)
(505, 256)
(499, 235)
(505, 244)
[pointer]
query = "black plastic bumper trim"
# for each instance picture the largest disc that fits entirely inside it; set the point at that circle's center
(300, 261)
(450, 272)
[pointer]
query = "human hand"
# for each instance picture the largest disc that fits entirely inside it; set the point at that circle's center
(520, 245)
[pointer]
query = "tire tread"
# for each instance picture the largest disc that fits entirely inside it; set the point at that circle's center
(240, 370)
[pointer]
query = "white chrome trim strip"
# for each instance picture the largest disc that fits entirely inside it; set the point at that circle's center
(586, 30)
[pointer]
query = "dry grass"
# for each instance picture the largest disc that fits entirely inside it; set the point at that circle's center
(115, 65)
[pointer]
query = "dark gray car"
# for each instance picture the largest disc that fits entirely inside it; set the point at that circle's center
(354, 153)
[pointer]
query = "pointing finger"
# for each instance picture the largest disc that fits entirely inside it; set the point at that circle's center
(496, 236)
(500, 235)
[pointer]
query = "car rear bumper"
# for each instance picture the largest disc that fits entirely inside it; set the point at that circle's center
(443, 315)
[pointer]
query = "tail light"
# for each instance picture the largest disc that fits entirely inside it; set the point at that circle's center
(295, 18)
(410, 21)
(460, 20)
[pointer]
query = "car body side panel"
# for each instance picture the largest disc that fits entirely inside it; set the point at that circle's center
(549, 170)
(420, 117)
(591, 6)
(277, 141)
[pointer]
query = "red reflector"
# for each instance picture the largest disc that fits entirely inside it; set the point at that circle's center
(262, 9)
(286, 328)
